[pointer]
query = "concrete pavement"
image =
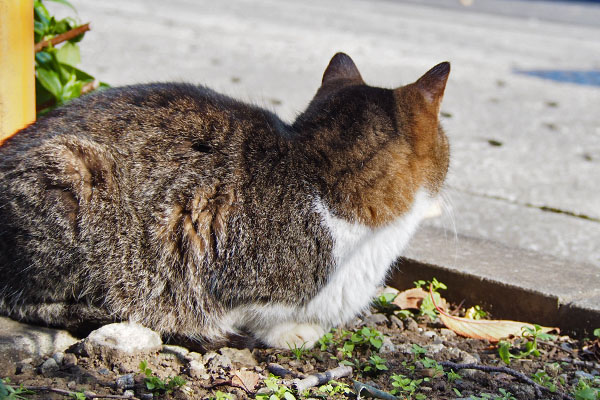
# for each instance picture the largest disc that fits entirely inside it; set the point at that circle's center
(525, 169)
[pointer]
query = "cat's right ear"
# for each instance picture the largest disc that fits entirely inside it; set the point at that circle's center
(433, 83)
(341, 69)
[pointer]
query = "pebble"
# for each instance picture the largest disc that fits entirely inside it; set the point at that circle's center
(69, 360)
(219, 362)
(434, 349)
(243, 357)
(146, 396)
(306, 368)
(123, 338)
(411, 325)
(58, 357)
(447, 332)
(467, 358)
(179, 351)
(71, 385)
(197, 370)
(128, 394)
(125, 381)
(48, 366)
(429, 334)
(103, 371)
(24, 365)
(397, 322)
(387, 346)
(584, 375)
(375, 319)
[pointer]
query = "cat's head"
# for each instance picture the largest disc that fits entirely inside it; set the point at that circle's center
(372, 149)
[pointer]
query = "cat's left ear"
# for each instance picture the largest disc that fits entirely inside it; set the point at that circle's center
(341, 68)
(433, 83)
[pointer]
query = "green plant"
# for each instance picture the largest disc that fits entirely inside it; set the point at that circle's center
(453, 376)
(346, 349)
(431, 364)
(427, 306)
(404, 314)
(475, 313)
(326, 340)
(532, 335)
(78, 396)
(375, 364)
(417, 351)
(544, 379)
(332, 388)
(158, 385)
(587, 389)
(222, 396)
(506, 395)
(9, 392)
(276, 390)
(407, 387)
(57, 78)
(367, 337)
(383, 303)
(298, 351)
(597, 333)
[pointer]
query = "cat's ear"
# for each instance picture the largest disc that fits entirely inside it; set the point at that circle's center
(432, 84)
(342, 68)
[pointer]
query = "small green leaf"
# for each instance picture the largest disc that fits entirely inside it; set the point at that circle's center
(49, 79)
(69, 54)
(377, 343)
(504, 353)
(586, 394)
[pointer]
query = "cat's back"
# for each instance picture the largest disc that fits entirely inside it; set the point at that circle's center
(134, 115)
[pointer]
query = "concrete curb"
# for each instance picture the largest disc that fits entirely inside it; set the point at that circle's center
(509, 282)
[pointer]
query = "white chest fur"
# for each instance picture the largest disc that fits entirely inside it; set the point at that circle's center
(363, 256)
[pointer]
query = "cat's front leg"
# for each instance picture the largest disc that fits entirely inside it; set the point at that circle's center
(292, 335)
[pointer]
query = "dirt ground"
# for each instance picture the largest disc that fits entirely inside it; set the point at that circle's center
(412, 355)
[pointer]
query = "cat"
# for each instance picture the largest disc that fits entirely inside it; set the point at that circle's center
(205, 218)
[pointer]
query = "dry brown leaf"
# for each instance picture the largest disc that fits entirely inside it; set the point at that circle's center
(246, 380)
(412, 299)
(492, 330)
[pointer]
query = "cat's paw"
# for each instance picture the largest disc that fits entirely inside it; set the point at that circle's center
(292, 335)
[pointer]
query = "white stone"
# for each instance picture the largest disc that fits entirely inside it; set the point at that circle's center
(125, 338)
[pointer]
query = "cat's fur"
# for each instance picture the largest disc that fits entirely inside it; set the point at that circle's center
(203, 217)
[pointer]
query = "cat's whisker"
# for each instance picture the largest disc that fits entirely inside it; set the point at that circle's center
(446, 202)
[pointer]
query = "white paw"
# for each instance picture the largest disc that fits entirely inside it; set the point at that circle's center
(291, 335)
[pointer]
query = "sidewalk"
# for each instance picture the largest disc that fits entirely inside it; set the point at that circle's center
(525, 169)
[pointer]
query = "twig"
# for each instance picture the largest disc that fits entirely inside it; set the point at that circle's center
(359, 387)
(280, 371)
(63, 37)
(217, 382)
(71, 393)
(321, 378)
(522, 377)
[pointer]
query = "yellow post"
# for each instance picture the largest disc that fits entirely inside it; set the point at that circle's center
(17, 68)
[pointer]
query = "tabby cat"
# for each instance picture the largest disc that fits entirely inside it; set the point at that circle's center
(203, 217)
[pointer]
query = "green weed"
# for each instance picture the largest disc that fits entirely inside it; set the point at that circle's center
(276, 390)
(9, 392)
(156, 384)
